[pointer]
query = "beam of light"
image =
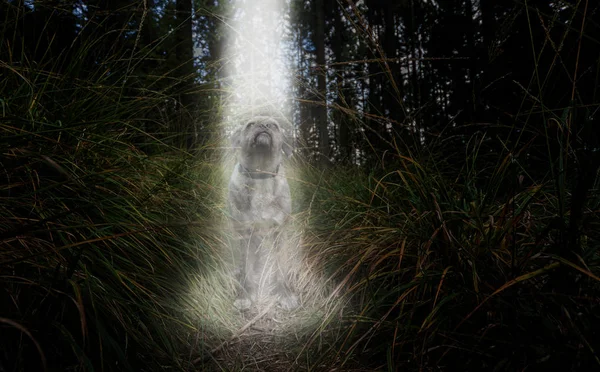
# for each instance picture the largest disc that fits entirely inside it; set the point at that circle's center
(257, 81)
(257, 75)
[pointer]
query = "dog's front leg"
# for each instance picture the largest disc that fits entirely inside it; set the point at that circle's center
(247, 269)
(282, 289)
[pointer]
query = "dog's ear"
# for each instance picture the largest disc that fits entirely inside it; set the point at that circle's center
(287, 148)
(236, 138)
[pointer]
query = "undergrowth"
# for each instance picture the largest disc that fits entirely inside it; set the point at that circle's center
(440, 274)
(113, 245)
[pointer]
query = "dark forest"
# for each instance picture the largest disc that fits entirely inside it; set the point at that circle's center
(444, 187)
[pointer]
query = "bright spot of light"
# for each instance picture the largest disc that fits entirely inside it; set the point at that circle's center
(257, 75)
(257, 78)
(257, 81)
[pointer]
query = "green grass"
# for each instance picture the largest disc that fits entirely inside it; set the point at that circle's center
(98, 221)
(114, 247)
(444, 274)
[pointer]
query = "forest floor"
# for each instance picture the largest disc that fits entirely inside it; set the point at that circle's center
(260, 344)
(272, 340)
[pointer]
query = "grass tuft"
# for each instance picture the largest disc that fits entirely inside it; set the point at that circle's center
(115, 246)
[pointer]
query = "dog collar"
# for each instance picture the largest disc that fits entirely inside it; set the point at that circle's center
(256, 175)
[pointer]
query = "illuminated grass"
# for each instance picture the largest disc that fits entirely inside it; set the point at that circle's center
(115, 252)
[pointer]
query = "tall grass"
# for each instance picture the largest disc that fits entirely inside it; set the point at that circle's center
(478, 259)
(97, 215)
(113, 247)
(441, 274)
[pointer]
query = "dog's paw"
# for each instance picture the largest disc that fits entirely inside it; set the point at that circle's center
(289, 302)
(242, 304)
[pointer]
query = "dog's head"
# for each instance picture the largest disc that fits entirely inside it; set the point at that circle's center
(261, 143)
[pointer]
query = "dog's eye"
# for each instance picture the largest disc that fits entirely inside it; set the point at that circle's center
(272, 126)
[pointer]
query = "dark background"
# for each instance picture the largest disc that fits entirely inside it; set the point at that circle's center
(468, 127)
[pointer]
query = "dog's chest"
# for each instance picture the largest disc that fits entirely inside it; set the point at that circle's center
(259, 199)
(263, 198)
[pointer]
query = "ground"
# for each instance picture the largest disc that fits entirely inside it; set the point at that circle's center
(274, 340)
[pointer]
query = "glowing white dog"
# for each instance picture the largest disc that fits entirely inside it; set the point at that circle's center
(260, 204)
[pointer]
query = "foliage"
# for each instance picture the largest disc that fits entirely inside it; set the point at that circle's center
(97, 201)
(441, 274)
(454, 221)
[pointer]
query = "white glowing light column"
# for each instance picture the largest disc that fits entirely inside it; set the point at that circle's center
(256, 68)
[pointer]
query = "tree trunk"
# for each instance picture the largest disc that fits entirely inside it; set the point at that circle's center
(344, 95)
(472, 96)
(304, 118)
(185, 57)
(321, 106)
(487, 23)
(392, 95)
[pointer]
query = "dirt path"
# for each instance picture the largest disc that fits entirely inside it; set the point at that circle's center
(259, 345)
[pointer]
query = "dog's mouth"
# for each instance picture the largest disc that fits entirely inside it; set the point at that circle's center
(262, 139)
